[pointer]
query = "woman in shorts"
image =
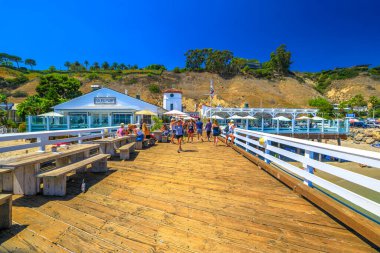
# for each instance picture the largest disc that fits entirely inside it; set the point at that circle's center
(179, 134)
(190, 130)
(216, 131)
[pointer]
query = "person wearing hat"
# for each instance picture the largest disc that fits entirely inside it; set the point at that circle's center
(121, 131)
(230, 133)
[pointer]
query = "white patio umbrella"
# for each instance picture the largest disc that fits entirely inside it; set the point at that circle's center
(216, 117)
(51, 114)
(235, 117)
(249, 117)
(282, 118)
(175, 113)
(303, 118)
(316, 118)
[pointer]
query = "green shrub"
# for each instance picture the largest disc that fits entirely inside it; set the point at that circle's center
(93, 76)
(22, 127)
(177, 70)
(157, 123)
(261, 73)
(13, 83)
(132, 81)
(19, 94)
(154, 88)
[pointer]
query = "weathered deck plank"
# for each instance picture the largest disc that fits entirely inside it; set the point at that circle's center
(205, 200)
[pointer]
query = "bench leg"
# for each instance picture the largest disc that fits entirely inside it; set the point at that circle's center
(30, 179)
(1, 183)
(100, 166)
(8, 182)
(6, 214)
(62, 161)
(124, 154)
(139, 145)
(55, 186)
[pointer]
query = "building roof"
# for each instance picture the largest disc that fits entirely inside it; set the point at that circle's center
(172, 90)
(122, 102)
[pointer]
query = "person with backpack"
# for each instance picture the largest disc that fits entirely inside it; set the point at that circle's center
(216, 131)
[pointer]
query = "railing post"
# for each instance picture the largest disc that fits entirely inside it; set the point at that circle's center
(262, 124)
(47, 123)
(102, 133)
(68, 121)
(337, 125)
(80, 141)
(29, 123)
(267, 151)
(42, 140)
(309, 169)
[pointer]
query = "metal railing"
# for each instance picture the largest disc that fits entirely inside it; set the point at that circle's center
(43, 137)
(286, 153)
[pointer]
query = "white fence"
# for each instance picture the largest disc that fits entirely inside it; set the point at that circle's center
(274, 149)
(43, 137)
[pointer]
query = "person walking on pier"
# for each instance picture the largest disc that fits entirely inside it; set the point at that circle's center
(199, 125)
(216, 131)
(230, 133)
(208, 128)
(179, 134)
(190, 130)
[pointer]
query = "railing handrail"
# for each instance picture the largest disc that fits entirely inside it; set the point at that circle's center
(325, 146)
(244, 139)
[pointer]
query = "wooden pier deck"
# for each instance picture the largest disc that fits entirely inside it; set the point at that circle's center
(208, 199)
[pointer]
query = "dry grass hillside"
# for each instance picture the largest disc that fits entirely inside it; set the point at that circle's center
(341, 90)
(233, 92)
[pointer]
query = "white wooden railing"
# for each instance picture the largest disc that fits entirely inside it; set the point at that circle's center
(271, 148)
(43, 137)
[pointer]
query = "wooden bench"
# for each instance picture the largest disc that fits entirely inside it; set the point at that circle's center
(5, 211)
(152, 141)
(54, 181)
(126, 150)
(164, 139)
(142, 144)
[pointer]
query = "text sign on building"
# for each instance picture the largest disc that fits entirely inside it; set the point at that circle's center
(193, 114)
(105, 100)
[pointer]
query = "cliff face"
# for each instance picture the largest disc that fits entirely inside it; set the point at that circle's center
(236, 91)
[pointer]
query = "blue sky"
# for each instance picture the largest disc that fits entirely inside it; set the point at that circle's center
(320, 34)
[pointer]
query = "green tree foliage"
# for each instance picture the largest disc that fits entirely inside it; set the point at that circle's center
(177, 70)
(30, 62)
(157, 123)
(93, 76)
(280, 60)
(357, 100)
(7, 59)
(196, 59)
(19, 94)
(154, 88)
(86, 64)
(155, 67)
(105, 65)
(13, 83)
(115, 66)
(219, 61)
(67, 65)
(77, 67)
(58, 88)
(122, 66)
(95, 66)
(52, 69)
(322, 104)
(34, 105)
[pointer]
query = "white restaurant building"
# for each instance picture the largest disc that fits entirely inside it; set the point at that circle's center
(102, 107)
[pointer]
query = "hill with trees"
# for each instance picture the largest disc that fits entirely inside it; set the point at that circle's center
(237, 81)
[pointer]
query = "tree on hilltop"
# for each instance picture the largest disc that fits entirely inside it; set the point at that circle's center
(30, 62)
(67, 65)
(86, 63)
(105, 65)
(95, 66)
(280, 60)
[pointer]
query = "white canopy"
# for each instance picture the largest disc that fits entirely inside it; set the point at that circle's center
(282, 118)
(317, 118)
(249, 117)
(175, 113)
(235, 117)
(216, 117)
(51, 114)
(303, 118)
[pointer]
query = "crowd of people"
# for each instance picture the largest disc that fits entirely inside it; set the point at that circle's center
(180, 129)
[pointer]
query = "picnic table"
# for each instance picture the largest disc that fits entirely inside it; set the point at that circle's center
(111, 144)
(18, 174)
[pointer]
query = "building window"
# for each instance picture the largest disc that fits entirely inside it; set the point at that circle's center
(118, 118)
(78, 120)
(171, 95)
(171, 107)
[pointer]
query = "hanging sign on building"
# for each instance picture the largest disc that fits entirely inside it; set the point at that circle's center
(104, 100)
(193, 114)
